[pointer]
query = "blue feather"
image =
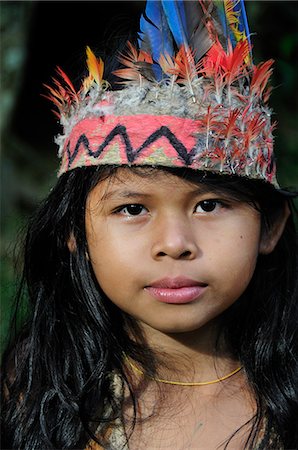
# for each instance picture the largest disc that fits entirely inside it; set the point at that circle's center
(166, 25)
(227, 32)
(244, 22)
(239, 8)
(155, 36)
(175, 13)
(220, 8)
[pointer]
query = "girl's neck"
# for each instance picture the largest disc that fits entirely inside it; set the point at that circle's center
(193, 356)
(180, 416)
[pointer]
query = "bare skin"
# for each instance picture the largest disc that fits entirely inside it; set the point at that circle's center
(184, 417)
(192, 417)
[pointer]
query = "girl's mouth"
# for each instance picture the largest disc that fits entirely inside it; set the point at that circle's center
(178, 290)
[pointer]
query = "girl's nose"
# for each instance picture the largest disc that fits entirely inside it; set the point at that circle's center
(174, 238)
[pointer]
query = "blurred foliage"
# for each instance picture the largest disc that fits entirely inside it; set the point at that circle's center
(38, 35)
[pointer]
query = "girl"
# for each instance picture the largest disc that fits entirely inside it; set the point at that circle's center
(160, 271)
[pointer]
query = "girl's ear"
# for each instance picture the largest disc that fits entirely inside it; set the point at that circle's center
(273, 233)
(71, 243)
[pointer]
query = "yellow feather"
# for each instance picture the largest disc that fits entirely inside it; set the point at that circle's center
(233, 19)
(95, 66)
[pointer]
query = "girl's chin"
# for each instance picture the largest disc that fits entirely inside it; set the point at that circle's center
(174, 327)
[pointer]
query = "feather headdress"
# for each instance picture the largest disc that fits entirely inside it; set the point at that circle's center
(191, 97)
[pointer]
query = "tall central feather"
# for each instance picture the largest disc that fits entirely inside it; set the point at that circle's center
(167, 25)
(155, 35)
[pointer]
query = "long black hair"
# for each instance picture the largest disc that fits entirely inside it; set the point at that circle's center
(56, 372)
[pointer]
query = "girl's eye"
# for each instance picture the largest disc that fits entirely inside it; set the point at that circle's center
(132, 210)
(207, 205)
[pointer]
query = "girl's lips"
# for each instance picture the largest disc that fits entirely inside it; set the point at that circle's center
(179, 290)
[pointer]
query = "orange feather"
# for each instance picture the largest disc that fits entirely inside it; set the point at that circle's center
(95, 66)
(135, 63)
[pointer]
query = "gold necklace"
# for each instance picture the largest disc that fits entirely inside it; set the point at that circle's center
(182, 383)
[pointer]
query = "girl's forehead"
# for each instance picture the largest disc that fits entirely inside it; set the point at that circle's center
(147, 176)
(149, 181)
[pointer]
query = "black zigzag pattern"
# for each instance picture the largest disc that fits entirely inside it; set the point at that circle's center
(186, 157)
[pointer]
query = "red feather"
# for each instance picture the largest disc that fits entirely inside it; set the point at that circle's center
(230, 128)
(186, 66)
(186, 69)
(63, 94)
(69, 86)
(208, 123)
(260, 78)
(230, 64)
(255, 123)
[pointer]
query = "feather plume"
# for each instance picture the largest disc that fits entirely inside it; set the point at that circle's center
(63, 94)
(95, 66)
(155, 35)
(209, 123)
(241, 28)
(137, 65)
(199, 40)
(186, 70)
(260, 78)
(229, 64)
(177, 20)
(255, 123)
(169, 66)
(233, 19)
(167, 25)
(230, 128)
(69, 86)
(187, 22)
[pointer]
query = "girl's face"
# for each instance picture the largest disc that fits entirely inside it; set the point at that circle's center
(169, 253)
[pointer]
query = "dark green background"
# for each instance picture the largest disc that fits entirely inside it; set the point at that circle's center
(37, 36)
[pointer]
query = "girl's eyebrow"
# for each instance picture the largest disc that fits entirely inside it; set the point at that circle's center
(120, 193)
(126, 193)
